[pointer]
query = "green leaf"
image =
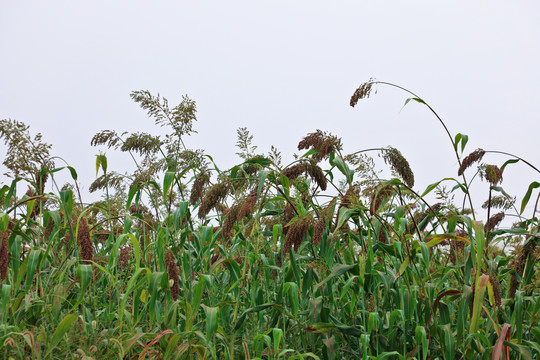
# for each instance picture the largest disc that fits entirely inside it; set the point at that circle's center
(293, 297)
(84, 273)
(346, 287)
(255, 309)
(167, 181)
(523, 350)
(421, 338)
(508, 162)
(5, 295)
(285, 183)
(262, 177)
(518, 314)
(321, 328)
(180, 213)
(460, 138)
(73, 173)
(131, 194)
(131, 286)
(337, 271)
(277, 334)
(33, 261)
(309, 153)
(344, 215)
(457, 139)
(527, 196)
(481, 284)
(408, 100)
(449, 342)
(67, 200)
(136, 247)
(3, 191)
(343, 167)
(127, 223)
(195, 302)
(464, 140)
(10, 193)
(211, 321)
(403, 267)
(101, 161)
(60, 331)
(387, 355)
(4, 222)
(264, 162)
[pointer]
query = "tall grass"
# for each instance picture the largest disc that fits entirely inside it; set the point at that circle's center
(320, 258)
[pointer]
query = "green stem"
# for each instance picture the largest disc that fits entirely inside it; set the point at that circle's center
(445, 129)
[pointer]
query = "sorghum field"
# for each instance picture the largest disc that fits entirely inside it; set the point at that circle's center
(320, 258)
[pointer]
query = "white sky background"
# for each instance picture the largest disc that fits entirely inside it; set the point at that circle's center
(282, 69)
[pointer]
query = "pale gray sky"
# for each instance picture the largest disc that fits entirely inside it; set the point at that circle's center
(283, 69)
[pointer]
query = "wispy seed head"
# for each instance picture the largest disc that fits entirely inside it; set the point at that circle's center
(363, 92)
(322, 142)
(197, 189)
(470, 159)
(399, 164)
(310, 168)
(493, 222)
(213, 196)
(294, 171)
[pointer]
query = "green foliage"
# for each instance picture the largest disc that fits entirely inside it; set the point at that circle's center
(268, 264)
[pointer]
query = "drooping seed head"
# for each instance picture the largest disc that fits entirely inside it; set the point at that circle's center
(213, 196)
(323, 142)
(493, 221)
(230, 216)
(470, 159)
(197, 190)
(363, 92)
(399, 164)
(379, 195)
(248, 207)
(294, 171)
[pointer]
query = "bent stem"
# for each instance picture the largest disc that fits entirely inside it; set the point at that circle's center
(420, 100)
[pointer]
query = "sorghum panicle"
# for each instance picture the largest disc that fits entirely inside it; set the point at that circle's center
(470, 159)
(85, 242)
(4, 256)
(213, 196)
(363, 92)
(172, 271)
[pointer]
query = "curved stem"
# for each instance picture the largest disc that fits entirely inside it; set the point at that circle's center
(512, 155)
(445, 128)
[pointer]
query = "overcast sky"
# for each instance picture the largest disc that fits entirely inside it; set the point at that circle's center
(282, 69)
